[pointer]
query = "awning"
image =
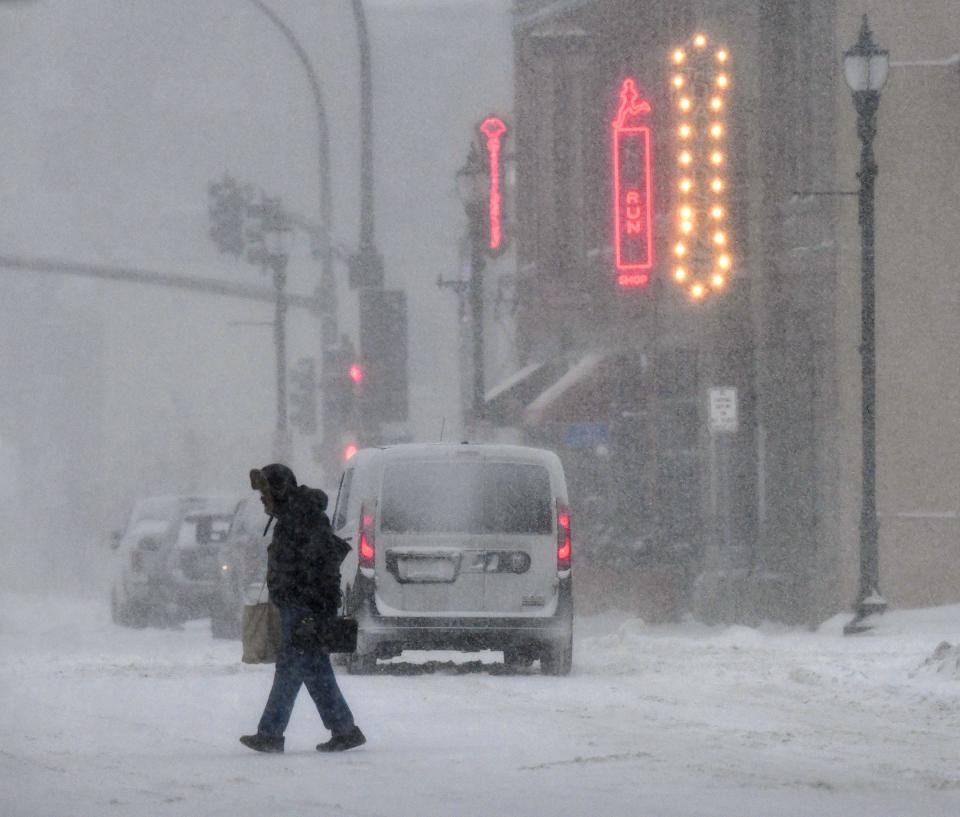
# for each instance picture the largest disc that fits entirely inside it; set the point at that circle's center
(505, 401)
(582, 394)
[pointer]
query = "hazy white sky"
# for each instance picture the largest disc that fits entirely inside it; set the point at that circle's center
(118, 113)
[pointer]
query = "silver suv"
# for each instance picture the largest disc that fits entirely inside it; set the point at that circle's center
(243, 568)
(166, 568)
(461, 547)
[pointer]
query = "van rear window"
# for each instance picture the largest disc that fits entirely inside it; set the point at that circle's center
(466, 497)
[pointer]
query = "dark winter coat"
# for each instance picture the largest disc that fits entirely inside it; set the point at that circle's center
(303, 560)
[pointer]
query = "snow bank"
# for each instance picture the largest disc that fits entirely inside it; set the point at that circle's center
(944, 661)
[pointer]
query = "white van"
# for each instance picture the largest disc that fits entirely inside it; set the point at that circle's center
(463, 547)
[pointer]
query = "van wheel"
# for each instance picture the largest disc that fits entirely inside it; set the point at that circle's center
(127, 614)
(557, 659)
(361, 663)
(515, 660)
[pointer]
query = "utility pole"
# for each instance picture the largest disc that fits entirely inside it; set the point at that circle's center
(473, 188)
(479, 187)
(478, 265)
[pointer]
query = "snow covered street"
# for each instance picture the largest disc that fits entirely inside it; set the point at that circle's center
(660, 721)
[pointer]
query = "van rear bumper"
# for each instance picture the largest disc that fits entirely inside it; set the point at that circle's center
(390, 634)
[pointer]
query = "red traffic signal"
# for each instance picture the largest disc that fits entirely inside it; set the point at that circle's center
(356, 373)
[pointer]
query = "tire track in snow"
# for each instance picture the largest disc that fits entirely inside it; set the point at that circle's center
(580, 761)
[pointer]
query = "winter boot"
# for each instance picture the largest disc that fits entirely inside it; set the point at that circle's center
(263, 743)
(340, 743)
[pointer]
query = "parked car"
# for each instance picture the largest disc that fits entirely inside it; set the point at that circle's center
(243, 568)
(166, 567)
(461, 547)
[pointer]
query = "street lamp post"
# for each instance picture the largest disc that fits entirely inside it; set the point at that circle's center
(472, 187)
(865, 67)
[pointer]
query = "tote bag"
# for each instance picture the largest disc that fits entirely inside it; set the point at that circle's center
(261, 632)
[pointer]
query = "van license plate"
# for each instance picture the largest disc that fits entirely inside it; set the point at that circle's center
(427, 570)
(420, 569)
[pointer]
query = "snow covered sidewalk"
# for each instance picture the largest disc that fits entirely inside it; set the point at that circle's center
(659, 721)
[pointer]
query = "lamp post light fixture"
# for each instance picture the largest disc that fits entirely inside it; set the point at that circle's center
(865, 67)
(473, 188)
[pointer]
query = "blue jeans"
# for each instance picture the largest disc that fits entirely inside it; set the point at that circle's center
(314, 671)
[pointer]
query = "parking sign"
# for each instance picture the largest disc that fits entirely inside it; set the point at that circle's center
(723, 410)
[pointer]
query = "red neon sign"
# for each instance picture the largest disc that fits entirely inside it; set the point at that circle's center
(494, 128)
(632, 185)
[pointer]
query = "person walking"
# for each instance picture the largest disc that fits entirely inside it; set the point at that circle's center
(303, 577)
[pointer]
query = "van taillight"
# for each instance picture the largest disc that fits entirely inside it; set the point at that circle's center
(564, 540)
(366, 548)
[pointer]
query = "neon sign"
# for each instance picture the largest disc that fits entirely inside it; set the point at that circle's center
(494, 128)
(632, 185)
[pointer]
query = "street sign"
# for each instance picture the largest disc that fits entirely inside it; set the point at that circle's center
(722, 415)
(587, 435)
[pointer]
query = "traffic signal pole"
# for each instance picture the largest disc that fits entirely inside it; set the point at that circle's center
(367, 265)
(168, 280)
(277, 295)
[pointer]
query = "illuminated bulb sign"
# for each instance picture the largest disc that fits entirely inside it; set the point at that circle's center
(701, 244)
(632, 184)
(494, 128)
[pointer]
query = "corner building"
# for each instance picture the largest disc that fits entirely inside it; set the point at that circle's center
(676, 508)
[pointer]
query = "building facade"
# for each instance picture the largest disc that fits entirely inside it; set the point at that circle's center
(759, 519)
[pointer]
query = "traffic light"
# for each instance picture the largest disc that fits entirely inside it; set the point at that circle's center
(343, 376)
(229, 202)
(303, 396)
(383, 342)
